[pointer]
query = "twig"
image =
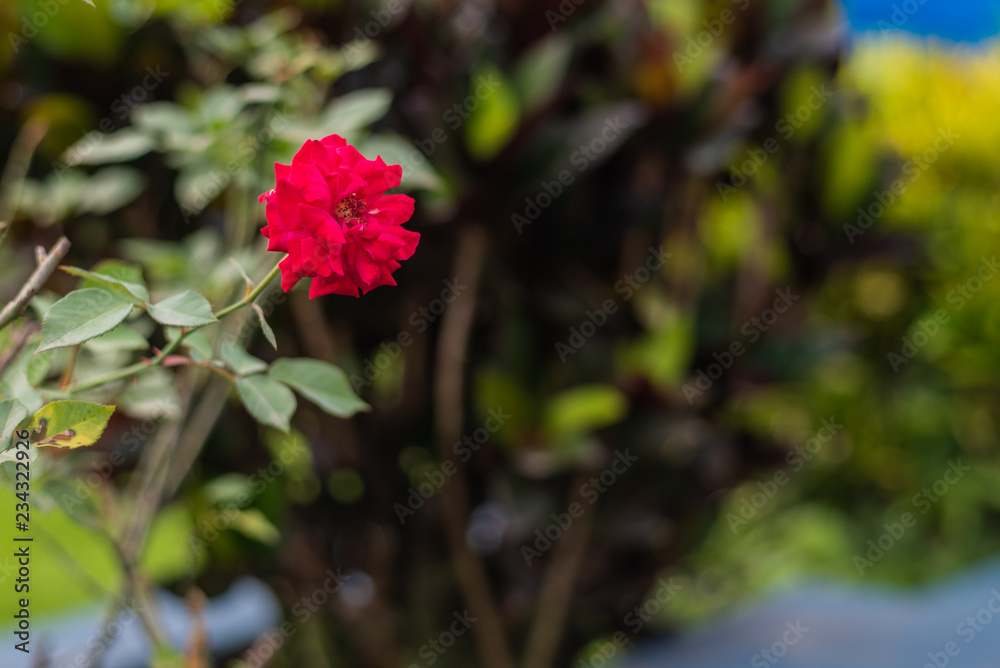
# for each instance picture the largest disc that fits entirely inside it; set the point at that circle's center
(210, 406)
(557, 589)
(196, 432)
(139, 367)
(35, 282)
(489, 632)
(145, 607)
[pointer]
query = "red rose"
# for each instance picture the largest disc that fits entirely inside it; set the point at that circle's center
(330, 213)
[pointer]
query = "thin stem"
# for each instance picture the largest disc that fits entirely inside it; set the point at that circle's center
(556, 595)
(253, 294)
(125, 372)
(139, 367)
(471, 575)
(145, 607)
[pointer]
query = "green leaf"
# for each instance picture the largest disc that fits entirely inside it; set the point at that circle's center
(494, 121)
(253, 524)
(71, 424)
(582, 409)
(120, 146)
(124, 272)
(267, 400)
(227, 488)
(109, 190)
(357, 110)
(417, 169)
(240, 361)
(321, 383)
(540, 71)
(199, 344)
(12, 411)
(131, 289)
(81, 315)
(151, 396)
(14, 380)
(167, 556)
(188, 309)
(122, 337)
(266, 328)
(38, 368)
(10, 455)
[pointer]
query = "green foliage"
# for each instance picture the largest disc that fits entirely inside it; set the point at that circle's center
(240, 361)
(244, 94)
(80, 316)
(541, 70)
(582, 409)
(117, 277)
(493, 115)
(322, 383)
(267, 400)
(12, 413)
(188, 309)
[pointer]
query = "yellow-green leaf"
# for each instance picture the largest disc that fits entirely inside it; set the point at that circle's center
(494, 113)
(70, 424)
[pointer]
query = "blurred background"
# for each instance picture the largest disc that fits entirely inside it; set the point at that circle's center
(702, 307)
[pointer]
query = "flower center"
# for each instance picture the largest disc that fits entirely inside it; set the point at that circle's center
(350, 208)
